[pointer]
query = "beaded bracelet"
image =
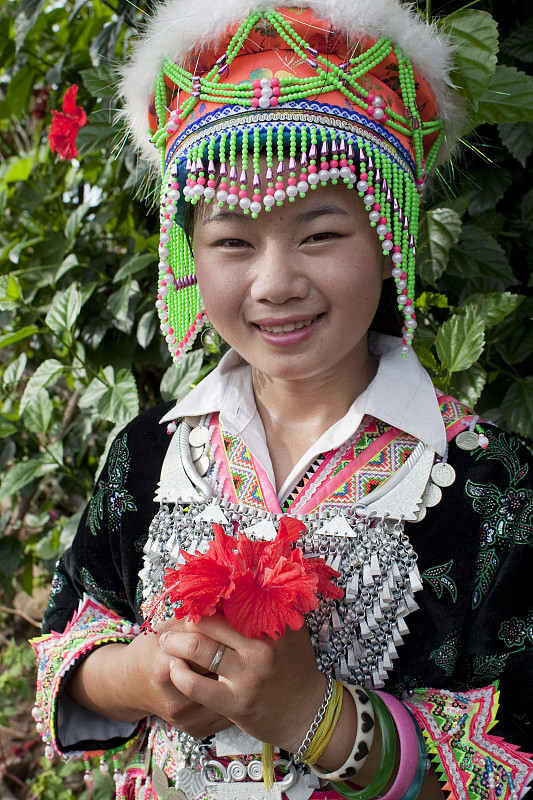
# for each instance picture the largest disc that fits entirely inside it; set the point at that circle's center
(363, 738)
(407, 735)
(388, 756)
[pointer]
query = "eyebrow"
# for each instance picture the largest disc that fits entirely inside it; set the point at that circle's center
(324, 209)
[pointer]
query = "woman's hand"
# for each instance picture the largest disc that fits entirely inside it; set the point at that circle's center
(129, 682)
(269, 688)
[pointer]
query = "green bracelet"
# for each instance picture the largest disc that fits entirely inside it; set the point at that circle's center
(388, 756)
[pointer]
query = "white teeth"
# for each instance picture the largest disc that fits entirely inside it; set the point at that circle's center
(291, 326)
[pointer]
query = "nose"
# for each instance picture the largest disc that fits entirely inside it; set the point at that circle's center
(279, 276)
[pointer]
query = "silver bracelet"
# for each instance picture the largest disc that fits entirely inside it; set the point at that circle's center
(363, 738)
(308, 738)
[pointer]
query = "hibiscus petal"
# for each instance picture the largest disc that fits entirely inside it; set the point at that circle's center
(324, 575)
(199, 585)
(257, 612)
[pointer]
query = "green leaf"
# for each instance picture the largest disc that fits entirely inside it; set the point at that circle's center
(38, 412)
(23, 473)
(11, 550)
(100, 82)
(16, 168)
(494, 306)
(117, 401)
(46, 373)
(429, 300)
(518, 43)
(22, 333)
(508, 98)
(479, 253)
(64, 310)
(468, 385)
(28, 11)
(6, 428)
(15, 370)
(146, 329)
(75, 221)
(178, 380)
(461, 339)
(475, 34)
(517, 406)
(490, 185)
(427, 359)
(19, 89)
(517, 137)
(133, 265)
(66, 265)
(439, 230)
(10, 293)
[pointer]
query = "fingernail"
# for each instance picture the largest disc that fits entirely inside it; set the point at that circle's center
(171, 662)
(163, 637)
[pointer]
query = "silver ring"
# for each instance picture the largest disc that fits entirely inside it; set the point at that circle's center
(217, 658)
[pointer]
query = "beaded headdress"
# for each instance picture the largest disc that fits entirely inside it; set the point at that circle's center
(352, 91)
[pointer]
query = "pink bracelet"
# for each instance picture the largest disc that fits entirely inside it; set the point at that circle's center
(408, 747)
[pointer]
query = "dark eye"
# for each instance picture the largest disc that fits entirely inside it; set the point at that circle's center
(321, 237)
(232, 243)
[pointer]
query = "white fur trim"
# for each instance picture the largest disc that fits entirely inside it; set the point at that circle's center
(179, 27)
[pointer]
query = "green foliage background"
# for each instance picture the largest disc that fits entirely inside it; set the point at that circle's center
(79, 349)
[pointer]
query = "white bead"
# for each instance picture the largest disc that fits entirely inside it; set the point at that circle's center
(352, 179)
(171, 127)
(266, 82)
(126, 628)
(405, 348)
(362, 186)
(334, 174)
(233, 199)
(379, 114)
(411, 324)
(163, 265)
(172, 196)
(164, 238)
(313, 179)
(266, 91)
(245, 202)
(323, 175)
(198, 190)
(397, 258)
(160, 303)
(408, 310)
(377, 102)
(373, 216)
(176, 360)
(164, 291)
(49, 752)
(396, 272)
(171, 210)
(302, 187)
(387, 245)
(222, 196)
(279, 195)
(368, 200)
(402, 300)
(209, 192)
(169, 338)
(408, 336)
(292, 191)
(382, 230)
(264, 102)
(255, 207)
(164, 327)
(36, 713)
(104, 769)
(186, 191)
(345, 172)
(163, 251)
(169, 223)
(401, 285)
(268, 200)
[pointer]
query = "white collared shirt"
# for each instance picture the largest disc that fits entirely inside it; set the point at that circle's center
(401, 394)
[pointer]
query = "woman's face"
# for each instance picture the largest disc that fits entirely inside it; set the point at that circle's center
(295, 290)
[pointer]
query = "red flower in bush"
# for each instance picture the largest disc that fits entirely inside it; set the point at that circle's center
(65, 126)
(260, 587)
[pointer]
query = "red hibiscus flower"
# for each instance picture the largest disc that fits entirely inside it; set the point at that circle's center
(260, 587)
(65, 126)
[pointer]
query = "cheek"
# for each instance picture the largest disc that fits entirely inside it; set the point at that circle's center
(221, 291)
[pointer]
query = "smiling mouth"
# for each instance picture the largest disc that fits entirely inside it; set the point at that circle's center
(289, 327)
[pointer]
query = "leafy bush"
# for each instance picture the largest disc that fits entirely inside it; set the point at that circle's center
(80, 353)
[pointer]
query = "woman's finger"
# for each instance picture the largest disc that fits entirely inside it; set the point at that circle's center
(197, 649)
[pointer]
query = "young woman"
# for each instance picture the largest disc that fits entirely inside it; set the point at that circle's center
(294, 144)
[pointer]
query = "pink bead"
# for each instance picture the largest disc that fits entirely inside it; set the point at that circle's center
(170, 332)
(352, 168)
(255, 102)
(370, 190)
(404, 276)
(370, 111)
(420, 181)
(303, 176)
(383, 119)
(364, 176)
(270, 190)
(396, 249)
(376, 207)
(383, 220)
(276, 91)
(223, 186)
(163, 283)
(257, 92)
(275, 81)
(174, 185)
(159, 297)
(404, 291)
(200, 315)
(257, 198)
(243, 193)
(201, 180)
(334, 163)
(343, 162)
(324, 165)
(371, 97)
(193, 182)
(312, 168)
(257, 84)
(188, 182)
(409, 302)
(169, 270)
(211, 183)
(166, 215)
(292, 181)
(274, 101)
(388, 236)
(279, 184)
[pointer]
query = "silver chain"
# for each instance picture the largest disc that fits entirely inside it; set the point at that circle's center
(297, 757)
